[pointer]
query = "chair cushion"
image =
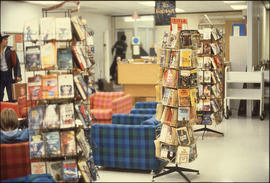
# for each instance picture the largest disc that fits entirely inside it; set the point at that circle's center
(145, 104)
(129, 119)
(102, 103)
(101, 113)
(143, 111)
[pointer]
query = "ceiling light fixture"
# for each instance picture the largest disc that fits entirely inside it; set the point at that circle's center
(148, 3)
(239, 7)
(45, 2)
(233, 2)
(142, 19)
(178, 10)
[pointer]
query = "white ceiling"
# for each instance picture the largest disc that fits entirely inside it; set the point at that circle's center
(115, 8)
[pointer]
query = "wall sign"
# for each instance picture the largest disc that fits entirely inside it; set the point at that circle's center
(164, 10)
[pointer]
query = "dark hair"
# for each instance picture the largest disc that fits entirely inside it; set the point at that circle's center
(123, 37)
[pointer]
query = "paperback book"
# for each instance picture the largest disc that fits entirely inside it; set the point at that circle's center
(168, 152)
(67, 118)
(170, 78)
(83, 114)
(68, 145)
(159, 111)
(207, 77)
(63, 28)
(182, 155)
(168, 135)
(36, 145)
(169, 116)
(32, 58)
(31, 30)
(183, 97)
(207, 118)
(193, 78)
(65, 86)
(184, 79)
(49, 86)
(174, 59)
(83, 144)
(183, 136)
(38, 167)
(86, 174)
(55, 169)
(64, 58)
(207, 90)
(70, 170)
(51, 116)
(48, 56)
(183, 113)
(206, 104)
(35, 117)
(47, 28)
(34, 87)
(185, 57)
(165, 40)
(52, 143)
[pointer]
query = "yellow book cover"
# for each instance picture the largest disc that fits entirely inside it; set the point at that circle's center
(48, 56)
(185, 57)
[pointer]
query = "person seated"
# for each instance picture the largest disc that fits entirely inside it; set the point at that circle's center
(10, 132)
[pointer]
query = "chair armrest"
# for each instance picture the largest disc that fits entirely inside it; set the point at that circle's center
(129, 119)
(122, 104)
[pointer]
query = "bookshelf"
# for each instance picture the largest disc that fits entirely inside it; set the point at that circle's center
(176, 94)
(59, 65)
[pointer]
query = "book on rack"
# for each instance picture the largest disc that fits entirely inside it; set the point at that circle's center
(68, 145)
(193, 96)
(199, 105)
(18, 90)
(34, 87)
(48, 56)
(52, 143)
(173, 98)
(35, 117)
(206, 32)
(174, 40)
(185, 37)
(200, 90)
(216, 117)
(215, 48)
(65, 86)
(47, 28)
(213, 63)
(216, 34)
(161, 55)
(206, 62)
(167, 58)
(214, 90)
(193, 78)
(63, 29)
(36, 144)
(207, 118)
(200, 76)
(55, 169)
(199, 117)
(85, 171)
(86, 88)
(51, 116)
(168, 152)
(79, 57)
(174, 59)
(159, 93)
(165, 40)
(168, 135)
(183, 113)
(182, 155)
(67, 118)
(160, 74)
(185, 58)
(83, 144)
(213, 78)
(183, 136)
(184, 79)
(32, 57)
(214, 105)
(206, 104)
(190, 133)
(217, 76)
(200, 62)
(159, 111)
(78, 29)
(170, 78)
(195, 40)
(38, 167)
(207, 90)
(169, 116)
(70, 172)
(207, 76)
(183, 97)
(31, 30)
(64, 58)
(207, 48)
(79, 87)
(165, 96)
(49, 86)
(217, 61)
(192, 115)
(83, 114)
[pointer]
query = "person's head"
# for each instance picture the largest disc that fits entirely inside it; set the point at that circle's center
(9, 120)
(123, 37)
(3, 39)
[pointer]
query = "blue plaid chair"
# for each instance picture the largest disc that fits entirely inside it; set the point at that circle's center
(146, 105)
(126, 143)
(144, 108)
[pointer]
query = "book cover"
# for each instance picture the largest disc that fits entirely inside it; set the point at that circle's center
(215, 48)
(193, 96)
(213, 77)
(206, 62)
(79, 57)
(35, 117)
(65, 86)
(165, 40)
(174, 59)
(174, 40)
(192, 115)
(31, 30)
(63, 28)
(159, 111)
(217, 76)
(52, 143)
(207, 48)
(32, 57)
(214, 105)
(48, 54)
(183, 136)
(83, 113)
(86, 88)
(161, 56)
(169, 116)
(34, 87)
(190, 134)
(38, 167)
(207, 118)
(70, 172)
(64, 58)
(55, 169)
(67, 117)
(193, 78)
(207, 90)
(200, 62)
(200, 90)
(78, 29)
(206, 33)
(193, 152)
(170, 78)
(200, 105)
(214, 90)
(185, 37)
(199, 117)
(184, 79)
(183, 113)
(47, 28)
(173, 98)
(217, 61)
(36, 144)
(51, 116)
(185, 57)
(159, 93)
(216, 34)
(18, 90)
(68, 145)
(168, 135)
(85, 171)
(83, 143)
(49, 86)
(168, 152)
(165, 96)
(200, 76)
(182, 155)
(207, 77)
(79, 87)
(195, 41)
(183, 97)
(206, 104)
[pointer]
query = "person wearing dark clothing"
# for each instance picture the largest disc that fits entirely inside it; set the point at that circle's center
(9, 63)
(121, 48)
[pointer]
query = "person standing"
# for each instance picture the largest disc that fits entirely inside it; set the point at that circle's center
(121, 48)
(8, 62)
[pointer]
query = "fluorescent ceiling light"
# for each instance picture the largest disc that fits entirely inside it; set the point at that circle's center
(142, 19)
(45, 2)
(148, 3)
(178, 10)
(239, 7)
(232, 2)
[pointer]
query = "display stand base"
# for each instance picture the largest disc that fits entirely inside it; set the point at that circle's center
(204, 129)
(180, 170)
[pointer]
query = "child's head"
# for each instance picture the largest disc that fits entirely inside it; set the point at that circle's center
(9, 120)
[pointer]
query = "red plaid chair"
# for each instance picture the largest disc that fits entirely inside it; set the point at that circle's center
(15, 160)
(104, 104)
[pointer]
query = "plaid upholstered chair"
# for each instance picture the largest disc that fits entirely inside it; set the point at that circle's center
(104, 104)
(11, 105)
(144, 108)
(126, 143)
(15, 161)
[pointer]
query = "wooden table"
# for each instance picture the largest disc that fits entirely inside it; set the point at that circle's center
(139, 80)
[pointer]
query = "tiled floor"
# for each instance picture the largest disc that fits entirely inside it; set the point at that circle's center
(242, 155)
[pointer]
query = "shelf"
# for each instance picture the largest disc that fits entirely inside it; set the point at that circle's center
(243, 77)
(244, 94)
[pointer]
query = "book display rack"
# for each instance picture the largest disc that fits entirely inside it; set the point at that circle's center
(210, 80)
(59, 65)
(177, 97)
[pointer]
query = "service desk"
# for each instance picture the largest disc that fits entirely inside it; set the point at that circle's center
(139, 80)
